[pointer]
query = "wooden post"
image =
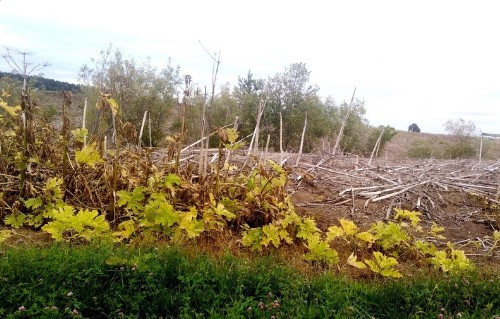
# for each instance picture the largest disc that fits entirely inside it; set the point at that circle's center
(105, 145)
(481, 148)
(149, 124)
(267, 146)
(254, 142)
(342, 127)
(142, 129)
(301, 142)
(83, 121)
(375, 148)
(281, 139)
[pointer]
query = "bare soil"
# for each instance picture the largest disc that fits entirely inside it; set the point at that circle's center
(460, 195)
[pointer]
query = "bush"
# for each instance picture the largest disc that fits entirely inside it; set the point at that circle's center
(459, 150)
(420, 149)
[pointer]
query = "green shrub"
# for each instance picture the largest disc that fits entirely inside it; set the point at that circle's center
(420, 149)
(459, 150)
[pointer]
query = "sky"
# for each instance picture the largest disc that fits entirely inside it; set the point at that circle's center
(423, 62)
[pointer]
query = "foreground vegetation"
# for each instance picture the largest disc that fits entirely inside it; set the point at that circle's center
(105, 202)
(167, 282)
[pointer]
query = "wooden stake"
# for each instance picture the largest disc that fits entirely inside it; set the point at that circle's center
(341, 132)
(83, 121)
(301, 142)
(281, 139)
(254, 143)
(142, 129)
(267, 146)
(375, 148)
(149, 124)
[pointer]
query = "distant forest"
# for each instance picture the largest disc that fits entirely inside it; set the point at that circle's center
(42, 83)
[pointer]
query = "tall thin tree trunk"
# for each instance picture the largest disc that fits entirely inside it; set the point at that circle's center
(341, 132)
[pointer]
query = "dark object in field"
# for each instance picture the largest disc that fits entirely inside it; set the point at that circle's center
(414, 128)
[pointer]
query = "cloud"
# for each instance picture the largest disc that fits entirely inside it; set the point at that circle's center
(423, 62)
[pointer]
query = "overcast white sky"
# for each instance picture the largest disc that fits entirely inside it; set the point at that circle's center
(421, 62)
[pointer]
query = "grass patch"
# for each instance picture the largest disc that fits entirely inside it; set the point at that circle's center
(119, 282)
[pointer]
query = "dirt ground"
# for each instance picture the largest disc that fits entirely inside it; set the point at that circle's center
(460, 195)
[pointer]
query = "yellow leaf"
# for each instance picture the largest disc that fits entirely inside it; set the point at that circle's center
(125, 230)
(351, 260)
(409, 215)
(114, 106)
(89, 155)
(496, 235)
(334, 232)
(436, 229)
(5, 93)
(12, 110)
(366, 236)
(349, 227)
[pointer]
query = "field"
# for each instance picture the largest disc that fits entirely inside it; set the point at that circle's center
(461, 195)
(160, 236)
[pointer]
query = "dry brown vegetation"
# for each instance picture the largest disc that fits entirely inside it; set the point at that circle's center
(461, 195)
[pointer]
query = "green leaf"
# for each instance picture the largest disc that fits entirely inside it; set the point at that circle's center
(348, 226)
(172, 180)
(252, 238)
(89, 155)
(221, 211)
(425, 247)
(389, 235)
(436, 229)
(307, 228)
(15, 220)
(366, 236)
(133, 200)
(270, 235)
(320, 251)
(453, 261)
(409, 215)
(125, 230)
(384, 265)
(53, 191)
(86, 224)
(190, 224)
(232, 135)
(158, 211)
(79, 134)
(334, 232)
(290, 218)
(33, 203)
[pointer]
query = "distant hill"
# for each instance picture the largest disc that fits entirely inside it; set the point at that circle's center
(42, 83)
(401, 144)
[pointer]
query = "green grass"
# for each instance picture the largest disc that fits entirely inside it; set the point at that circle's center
(121, 282)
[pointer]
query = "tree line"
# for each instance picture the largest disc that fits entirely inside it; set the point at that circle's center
(38, 82)
(175, 103)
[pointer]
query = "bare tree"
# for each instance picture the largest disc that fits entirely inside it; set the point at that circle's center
(22, 67)
(25, 69)
(207, 124)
